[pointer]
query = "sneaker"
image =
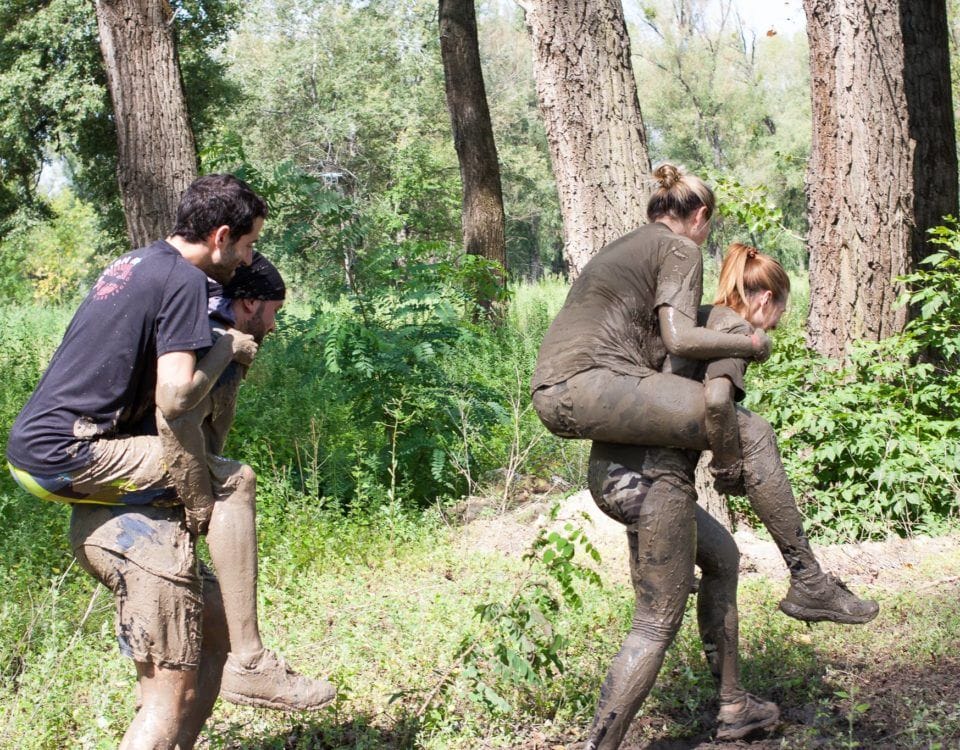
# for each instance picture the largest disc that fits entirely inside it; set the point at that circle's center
(827, 599)
(749, 714)
(268, 682)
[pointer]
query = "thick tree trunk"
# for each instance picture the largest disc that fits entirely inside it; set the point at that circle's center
(483, 220)
(588, 99)
(157, 157)
(883, 166)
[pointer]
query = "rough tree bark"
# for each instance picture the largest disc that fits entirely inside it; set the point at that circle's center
(883, 164)
(588, 99)
(483, 220)
(156, 152)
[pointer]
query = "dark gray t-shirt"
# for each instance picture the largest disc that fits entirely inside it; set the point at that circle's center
(100, 381)
(609, 319)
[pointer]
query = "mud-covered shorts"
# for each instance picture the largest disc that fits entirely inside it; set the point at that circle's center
(147, 558)
(127, 530)
(122, 471)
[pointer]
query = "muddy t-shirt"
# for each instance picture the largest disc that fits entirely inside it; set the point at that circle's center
(609, 319)
(101, 379)
(725, 320)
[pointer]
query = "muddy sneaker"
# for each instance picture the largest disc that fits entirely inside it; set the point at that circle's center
(827, 599)
(267, 682)
(748, 715)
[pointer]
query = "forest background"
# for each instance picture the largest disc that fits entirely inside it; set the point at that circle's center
(388, 396)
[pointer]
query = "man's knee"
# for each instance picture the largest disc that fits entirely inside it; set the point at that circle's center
(233, 479)
(172, 691)
(246, 479)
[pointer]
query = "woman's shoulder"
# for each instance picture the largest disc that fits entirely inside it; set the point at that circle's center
(723, 318)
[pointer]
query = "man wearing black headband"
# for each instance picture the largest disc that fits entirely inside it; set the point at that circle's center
(83, 437)
(218, 499)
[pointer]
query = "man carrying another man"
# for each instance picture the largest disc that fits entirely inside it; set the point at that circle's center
(86, 436)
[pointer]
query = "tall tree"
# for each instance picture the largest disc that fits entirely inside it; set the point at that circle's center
(54, 102)
(883, 164)
(483, 219)
(588, 100)
(156, 153)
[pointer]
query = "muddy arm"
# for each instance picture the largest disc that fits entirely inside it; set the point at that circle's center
(684, 338)
(184, 449)
(181, 387)
(723, 435)
(217, 427)
(182, 381)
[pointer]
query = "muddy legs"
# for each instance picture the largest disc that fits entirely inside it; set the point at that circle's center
(662, 544)
(232, 540)
(813, 596)
(252, 675)
(717, 618)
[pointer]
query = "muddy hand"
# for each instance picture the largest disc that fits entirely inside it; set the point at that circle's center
(244, 346)
(762, 346)
(728, 480)
(198, 519)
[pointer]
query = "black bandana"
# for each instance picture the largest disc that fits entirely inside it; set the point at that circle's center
(260, 280)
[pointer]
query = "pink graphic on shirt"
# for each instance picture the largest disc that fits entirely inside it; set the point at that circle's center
(114, 278)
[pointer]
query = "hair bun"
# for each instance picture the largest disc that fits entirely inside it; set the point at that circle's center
(752, 253)
(667, 175)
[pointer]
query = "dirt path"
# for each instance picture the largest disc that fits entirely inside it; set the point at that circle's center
(891, 564)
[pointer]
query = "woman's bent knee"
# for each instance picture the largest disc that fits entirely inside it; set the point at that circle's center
(756, 434)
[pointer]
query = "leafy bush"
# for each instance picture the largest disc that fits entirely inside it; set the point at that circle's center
(872, 446)
(367, 397)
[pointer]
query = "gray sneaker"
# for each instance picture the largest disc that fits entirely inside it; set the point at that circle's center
(827, 599)
(267, 682)
(748, 715)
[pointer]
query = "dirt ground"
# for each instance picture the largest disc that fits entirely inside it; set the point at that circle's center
(890, 566)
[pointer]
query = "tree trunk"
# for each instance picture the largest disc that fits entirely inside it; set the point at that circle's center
(709, 499)
(883, 165)
(588, 100)
(156, 153)
(483, 220)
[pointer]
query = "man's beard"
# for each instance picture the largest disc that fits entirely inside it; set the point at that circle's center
(256, 328)
(220, 274)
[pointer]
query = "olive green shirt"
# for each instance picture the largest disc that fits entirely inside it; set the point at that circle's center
(609, 319)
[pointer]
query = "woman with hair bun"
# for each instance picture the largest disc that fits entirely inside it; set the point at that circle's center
(599, 377)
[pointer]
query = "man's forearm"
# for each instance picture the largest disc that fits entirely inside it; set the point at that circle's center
(176, 399)
(184, 449)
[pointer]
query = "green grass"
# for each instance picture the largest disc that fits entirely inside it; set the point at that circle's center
(381, 607)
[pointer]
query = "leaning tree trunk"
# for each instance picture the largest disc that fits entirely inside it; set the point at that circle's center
(157, 157)
(588, 99)
(883, 166)
(483, 221)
